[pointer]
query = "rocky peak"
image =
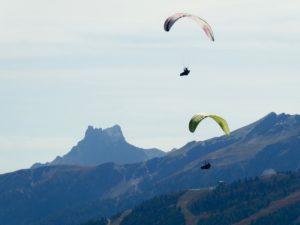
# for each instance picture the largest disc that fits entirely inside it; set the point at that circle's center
(101, 146)
(91, 131)
(114, 133)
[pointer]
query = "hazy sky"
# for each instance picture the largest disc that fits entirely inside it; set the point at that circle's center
(67, 64)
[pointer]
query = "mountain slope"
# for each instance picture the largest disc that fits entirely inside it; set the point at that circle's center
(259, 201)
(101, 146)
(74, 194)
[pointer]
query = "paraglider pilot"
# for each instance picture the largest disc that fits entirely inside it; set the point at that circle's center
(185, 72)
(206, 166)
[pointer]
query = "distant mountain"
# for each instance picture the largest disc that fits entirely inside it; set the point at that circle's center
(70, 194)
(268, 200)
(101, 146)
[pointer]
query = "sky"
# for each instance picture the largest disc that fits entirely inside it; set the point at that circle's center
(68, 64)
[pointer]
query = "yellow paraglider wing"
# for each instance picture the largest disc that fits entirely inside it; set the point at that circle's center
(222, 123)
(196, 119)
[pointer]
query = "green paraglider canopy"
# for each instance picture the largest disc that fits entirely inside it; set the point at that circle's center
(196, 119)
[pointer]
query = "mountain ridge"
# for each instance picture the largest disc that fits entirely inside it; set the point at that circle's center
(101, 146)
(109, 188)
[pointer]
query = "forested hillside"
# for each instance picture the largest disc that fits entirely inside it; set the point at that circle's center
(266, 200)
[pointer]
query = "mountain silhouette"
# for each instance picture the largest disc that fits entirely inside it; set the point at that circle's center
(101, 146)
(72, 194)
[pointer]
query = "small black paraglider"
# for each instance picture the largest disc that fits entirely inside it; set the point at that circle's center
(185, 72)
(206, 166)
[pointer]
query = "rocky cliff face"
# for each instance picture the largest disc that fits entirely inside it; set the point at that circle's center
(104, 145)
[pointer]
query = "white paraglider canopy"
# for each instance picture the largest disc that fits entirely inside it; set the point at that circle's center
(170, 21)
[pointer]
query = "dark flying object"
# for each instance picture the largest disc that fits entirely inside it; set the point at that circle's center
(185, 72)
(206, 166)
